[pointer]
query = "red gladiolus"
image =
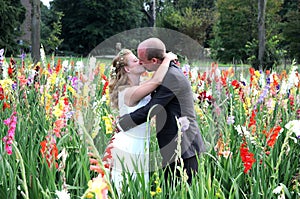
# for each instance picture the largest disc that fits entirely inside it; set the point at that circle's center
(11, 69)
(5, 106)
(1, 93)
(292, 103)
(58, 66)
(235, 84)
(105, 84)
(251, 70)
(247, 157)
(203, 76)
(252, 119)
(223, 78)
(203, 96)
(50, 152)
(272, 135)
(66, 101)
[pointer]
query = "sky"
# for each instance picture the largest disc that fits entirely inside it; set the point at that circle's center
(46, 2)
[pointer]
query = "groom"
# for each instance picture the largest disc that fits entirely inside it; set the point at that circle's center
(173, 99)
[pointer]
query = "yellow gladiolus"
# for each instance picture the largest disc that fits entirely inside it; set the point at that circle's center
(108, 125)
(57, 111)
(158, 190)
(99, 187)
(72, 90)
(257, 74)
(152, 193)
(52, 78)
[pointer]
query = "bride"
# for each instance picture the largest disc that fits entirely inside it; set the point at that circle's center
(129, 151)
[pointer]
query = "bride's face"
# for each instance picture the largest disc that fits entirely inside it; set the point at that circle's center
(134, 64)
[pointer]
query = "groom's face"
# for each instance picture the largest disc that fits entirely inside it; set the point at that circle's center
(149, 65)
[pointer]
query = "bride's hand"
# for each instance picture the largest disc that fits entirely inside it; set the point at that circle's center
(171, 56)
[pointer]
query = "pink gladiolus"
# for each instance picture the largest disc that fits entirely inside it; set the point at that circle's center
(23, 80)
(8, 139)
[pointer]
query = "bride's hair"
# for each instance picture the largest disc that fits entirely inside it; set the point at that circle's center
(119, 77)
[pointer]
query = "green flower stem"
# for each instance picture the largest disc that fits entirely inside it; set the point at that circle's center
(24, 182)
(95, 152)
(284, 145)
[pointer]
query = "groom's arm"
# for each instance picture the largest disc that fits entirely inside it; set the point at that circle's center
(161, 98)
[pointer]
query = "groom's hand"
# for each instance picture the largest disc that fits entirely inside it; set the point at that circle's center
(125, 123)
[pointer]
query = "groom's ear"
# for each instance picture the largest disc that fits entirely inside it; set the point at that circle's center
(155, 60)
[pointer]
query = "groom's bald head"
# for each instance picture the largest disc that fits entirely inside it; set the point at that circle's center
(152, 48)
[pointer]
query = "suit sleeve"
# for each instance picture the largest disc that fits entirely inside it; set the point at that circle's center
(161, 98)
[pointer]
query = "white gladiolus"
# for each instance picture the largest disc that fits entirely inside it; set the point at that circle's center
(294, 126)
(63, 194)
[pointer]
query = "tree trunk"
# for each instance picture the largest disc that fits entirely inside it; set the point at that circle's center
(35, 31)
(154, 12)
(261, 32)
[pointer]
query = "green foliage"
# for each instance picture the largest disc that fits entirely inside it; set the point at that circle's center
(220, 174)
(272, 56)
(86, 23)
(12, 14)
(51, 28)
(291, 30)
(237, 26)
(185, 18)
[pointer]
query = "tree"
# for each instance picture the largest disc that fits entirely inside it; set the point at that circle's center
(149, 8)
(12, 15)
(187, 17)
(235, 34)
(35, 31)
(233, 29)
(291, 28)
(261, 31)
(51, 28)
(87, 23)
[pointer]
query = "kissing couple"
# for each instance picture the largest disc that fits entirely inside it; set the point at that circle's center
(168, 96)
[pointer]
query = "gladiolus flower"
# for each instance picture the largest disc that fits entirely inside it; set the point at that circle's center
(298, 114)
(11, 122)
(63, 194)
(230, 120)
(247, 157)
(108, 124)
(50, 152)
(1, 93)
(184, 123)
(272, 135)
(205, 96)
(23, 80)
(99, 187)
(294, 126)
(105, 83)
(252, 119)
(235, 84)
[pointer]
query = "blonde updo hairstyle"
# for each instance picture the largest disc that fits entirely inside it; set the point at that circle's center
(119, 78)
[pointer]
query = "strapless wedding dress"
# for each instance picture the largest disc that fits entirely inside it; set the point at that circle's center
(130, 151)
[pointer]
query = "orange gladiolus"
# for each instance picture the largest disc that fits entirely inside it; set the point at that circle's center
(50, 152)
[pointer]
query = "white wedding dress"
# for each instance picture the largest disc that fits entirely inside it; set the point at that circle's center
(130, 152)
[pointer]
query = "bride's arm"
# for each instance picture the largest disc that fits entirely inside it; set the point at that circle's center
(136, 93)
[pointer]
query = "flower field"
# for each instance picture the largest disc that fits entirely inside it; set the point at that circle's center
(54, 113)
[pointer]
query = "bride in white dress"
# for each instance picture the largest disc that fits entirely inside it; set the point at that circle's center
(128, 152)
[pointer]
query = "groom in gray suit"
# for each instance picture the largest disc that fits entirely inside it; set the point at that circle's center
(173, 99)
